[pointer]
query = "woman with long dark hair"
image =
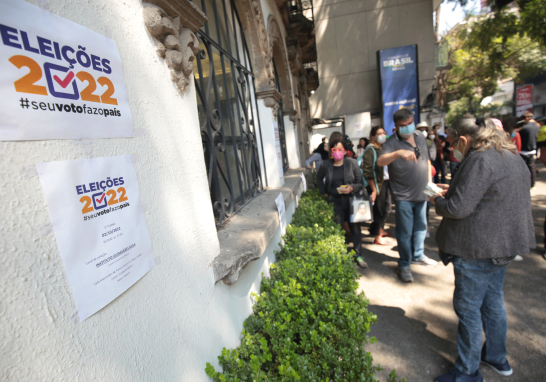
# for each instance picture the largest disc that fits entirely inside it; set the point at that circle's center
(487, 221)
(378, 186)
(331, 176)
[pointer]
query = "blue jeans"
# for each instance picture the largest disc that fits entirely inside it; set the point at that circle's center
(411, 230)
(479, 303)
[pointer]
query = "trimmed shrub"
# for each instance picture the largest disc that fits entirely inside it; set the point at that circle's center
(309, 324)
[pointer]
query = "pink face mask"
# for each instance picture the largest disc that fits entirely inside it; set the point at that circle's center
(338, 155)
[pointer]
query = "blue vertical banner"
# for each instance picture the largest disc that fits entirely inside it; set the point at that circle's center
(399, 79)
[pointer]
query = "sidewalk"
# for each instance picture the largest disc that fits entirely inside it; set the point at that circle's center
(417, 327)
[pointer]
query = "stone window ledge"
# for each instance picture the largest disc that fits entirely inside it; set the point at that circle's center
(247, 234)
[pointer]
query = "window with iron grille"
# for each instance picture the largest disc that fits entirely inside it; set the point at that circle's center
(227, 110)
(280, 123)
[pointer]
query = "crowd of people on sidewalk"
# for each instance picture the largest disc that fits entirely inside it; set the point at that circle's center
(492, 168)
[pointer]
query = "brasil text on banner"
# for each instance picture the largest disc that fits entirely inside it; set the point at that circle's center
(399, 82)
(58, 79)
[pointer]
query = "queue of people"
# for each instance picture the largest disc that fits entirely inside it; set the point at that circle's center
(494, 168)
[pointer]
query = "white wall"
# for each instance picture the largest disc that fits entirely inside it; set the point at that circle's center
(291, 143)
(175, 319)
(351, 120)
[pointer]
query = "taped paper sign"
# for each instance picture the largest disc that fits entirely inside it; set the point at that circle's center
(282, 212)
(278, 148)
(97, 218)
(58, 79)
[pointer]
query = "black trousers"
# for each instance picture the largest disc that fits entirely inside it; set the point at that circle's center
(381, 209)
(530, 162)
(440, 176)
(342, 209)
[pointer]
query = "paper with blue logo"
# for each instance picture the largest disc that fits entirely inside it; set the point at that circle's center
(399, 82)
(58, 79)
(98, 222)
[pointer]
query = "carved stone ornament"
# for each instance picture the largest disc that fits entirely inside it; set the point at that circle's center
(271, 99)
(175, 42)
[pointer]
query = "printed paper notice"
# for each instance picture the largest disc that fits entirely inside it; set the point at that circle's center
(278, 148)
(97, 218)
(359, 129)
(282, 212)
(58, 79)
(304, 182)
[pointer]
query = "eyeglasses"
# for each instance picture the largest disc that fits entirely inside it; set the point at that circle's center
(341, 150)
(417, 152)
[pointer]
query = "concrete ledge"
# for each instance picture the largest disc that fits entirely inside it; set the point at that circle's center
(247, 234)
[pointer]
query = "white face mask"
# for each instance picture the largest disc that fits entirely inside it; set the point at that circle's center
(381, 139)
(431, 137)
(425, 133)
(457, 154)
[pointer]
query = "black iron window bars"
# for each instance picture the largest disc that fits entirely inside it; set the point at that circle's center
(227, 110)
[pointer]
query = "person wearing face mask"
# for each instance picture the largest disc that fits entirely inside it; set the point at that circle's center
(406, 154)
(331, 176)
(378, 184)
(491, 185)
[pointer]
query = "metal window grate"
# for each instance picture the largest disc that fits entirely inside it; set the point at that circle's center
(227, 111)
(280, 123)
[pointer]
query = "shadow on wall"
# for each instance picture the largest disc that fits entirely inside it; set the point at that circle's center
(165, 327)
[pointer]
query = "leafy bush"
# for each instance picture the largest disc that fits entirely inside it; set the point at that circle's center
(308, 322)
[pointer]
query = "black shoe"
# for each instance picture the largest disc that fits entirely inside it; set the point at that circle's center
(404, 274)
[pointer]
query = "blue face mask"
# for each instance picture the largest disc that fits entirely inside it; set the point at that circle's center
(513, 135)
(407, 130)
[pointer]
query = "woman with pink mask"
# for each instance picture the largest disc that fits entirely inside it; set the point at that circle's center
(338, 179)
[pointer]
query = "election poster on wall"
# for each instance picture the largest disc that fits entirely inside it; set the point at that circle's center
(98, 222)
(278, 148)
(524, 99)
(58, 79)
(399, 79)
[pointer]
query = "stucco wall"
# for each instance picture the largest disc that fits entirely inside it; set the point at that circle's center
(349, 33)
(175, 319)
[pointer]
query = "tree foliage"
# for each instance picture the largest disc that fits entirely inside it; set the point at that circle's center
(486, 49)
(457, 109)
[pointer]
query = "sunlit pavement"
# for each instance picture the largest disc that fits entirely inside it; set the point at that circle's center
(417, 327)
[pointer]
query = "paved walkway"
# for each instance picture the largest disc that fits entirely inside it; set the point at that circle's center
(417, 327)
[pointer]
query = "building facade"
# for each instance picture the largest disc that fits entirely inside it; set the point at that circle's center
(209, 84)
(349, 34)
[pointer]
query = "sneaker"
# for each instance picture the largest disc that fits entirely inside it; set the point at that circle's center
(518, 258)
(426, 261)
(501, 368)
(360, 261)
(455, 375)
(404, 274)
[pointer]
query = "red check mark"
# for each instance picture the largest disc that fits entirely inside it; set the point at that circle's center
(101, 199)
(64, 83)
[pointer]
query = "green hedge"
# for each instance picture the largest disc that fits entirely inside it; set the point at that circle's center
(309, 324)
